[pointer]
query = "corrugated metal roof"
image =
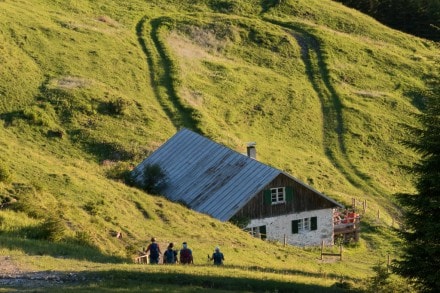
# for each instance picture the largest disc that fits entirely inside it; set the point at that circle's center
(210, 178)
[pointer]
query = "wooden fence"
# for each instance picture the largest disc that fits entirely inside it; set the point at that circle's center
(330, 253)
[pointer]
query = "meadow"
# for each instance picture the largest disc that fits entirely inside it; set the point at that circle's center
(90, 88)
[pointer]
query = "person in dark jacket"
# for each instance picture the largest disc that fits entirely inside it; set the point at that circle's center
(186, 256)
(170, 255)
(218, 257)
(154, 250)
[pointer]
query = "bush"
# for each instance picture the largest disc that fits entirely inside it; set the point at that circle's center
(52, 229)
(380, 280)
(154, 179)
(36, 116)
(83, 238)
(92, 207)
(5, 174)
(118, 106)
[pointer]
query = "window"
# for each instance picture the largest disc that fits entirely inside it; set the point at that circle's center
(259, 232)
(278, 195)
(304, 225)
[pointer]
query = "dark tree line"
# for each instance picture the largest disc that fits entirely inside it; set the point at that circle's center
(417, 17)
(421, 260)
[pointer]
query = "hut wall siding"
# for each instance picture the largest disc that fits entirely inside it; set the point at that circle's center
(304, 199)
(280, 228)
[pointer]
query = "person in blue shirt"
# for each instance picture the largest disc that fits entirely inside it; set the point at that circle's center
(218, 257)
(154, 250)
(170, 255)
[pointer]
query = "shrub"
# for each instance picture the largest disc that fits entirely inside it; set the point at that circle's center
(381, 281)
(52, 229)
(36, 116)
(154, 179)
(91, 208)
(118, 106)
(107, 150)
(57, 133)
(5, 174)
(83, 238)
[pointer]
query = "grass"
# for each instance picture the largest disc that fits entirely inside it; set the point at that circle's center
(90, 88)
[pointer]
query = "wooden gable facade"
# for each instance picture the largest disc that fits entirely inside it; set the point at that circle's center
(290, 211)
(298, 198)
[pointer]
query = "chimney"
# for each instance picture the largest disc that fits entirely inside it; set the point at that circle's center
(251, 150)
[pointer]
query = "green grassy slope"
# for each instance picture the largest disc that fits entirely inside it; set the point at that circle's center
(89, 88)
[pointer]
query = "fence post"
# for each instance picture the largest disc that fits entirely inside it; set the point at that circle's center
(322, 247)
(340, 251)
(388, 263)
(285, 240)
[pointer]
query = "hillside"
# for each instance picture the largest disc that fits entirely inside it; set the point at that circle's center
(89, 88)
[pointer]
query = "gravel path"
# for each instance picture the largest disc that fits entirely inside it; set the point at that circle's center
(12, 276)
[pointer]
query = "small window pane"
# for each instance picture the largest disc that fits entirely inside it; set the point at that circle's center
(274, 194)
(307, 224)
(278, 195)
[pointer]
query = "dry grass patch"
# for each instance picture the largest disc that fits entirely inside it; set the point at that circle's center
(70, 82)
(193, 97)
(184, 48)
(108, 20)
(371, 94)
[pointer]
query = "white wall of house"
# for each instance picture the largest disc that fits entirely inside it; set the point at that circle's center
(281, 226)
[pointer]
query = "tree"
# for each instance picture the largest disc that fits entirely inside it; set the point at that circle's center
(421, 260)
(380, 281)
(417, 17)
(154, 179)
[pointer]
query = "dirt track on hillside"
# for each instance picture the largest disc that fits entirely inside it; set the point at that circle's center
(11, 276)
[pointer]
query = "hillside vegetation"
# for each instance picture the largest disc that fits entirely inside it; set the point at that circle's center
(90, 88)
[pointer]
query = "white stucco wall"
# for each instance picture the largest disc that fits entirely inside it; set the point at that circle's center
(277, 227)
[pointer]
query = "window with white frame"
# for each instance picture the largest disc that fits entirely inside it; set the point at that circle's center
(304, 225)
(278, 195)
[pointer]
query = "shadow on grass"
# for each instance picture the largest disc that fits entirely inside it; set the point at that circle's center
(62, 250)
(373, 232)
(119, 280)
(162, 76)
(292, 272)
(331, 104)
(266, 5)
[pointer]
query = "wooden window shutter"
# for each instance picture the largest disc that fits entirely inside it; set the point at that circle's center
(289, 193)
(267, 196)
(314, 223)
(263, 232)
(295, 226)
